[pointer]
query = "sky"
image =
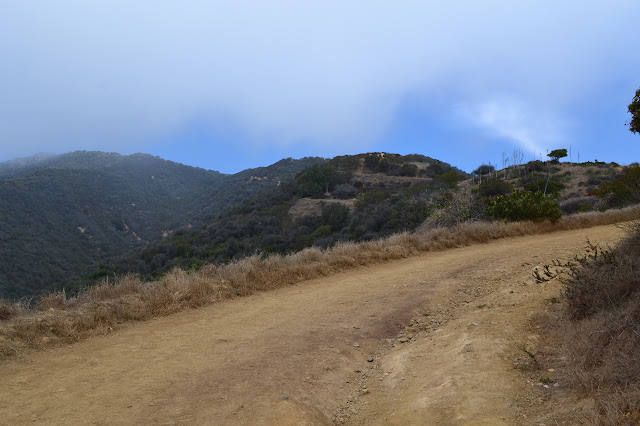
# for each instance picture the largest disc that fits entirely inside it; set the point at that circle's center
(230, 85)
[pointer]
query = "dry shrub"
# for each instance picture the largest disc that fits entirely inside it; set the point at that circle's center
(103, 307)
(8, 310)
(601, 333)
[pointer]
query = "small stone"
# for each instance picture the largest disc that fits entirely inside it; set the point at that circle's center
(370, 359)
(551, 370)
(403, 340)
(357, 345)
(284, 397)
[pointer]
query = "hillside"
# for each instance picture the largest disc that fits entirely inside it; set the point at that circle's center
(361, 198)
(442, 337)
(369, 196)
(70, 220)
(64, 215)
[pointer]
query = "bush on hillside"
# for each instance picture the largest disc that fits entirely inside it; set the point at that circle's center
(345, 191)
(579, 205)
(548, 186)
(484, 169)
(624, 190)
(317, 179)
(448, 180)
(524, 205)
(493, 187)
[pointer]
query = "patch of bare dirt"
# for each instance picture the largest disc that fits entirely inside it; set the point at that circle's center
(441, 338)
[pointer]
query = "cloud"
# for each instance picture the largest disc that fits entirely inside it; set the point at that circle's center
(507, 118)
(119, 74)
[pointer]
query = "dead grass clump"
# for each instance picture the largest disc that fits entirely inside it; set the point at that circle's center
(601, 333)
(8, 310)
(103, 307)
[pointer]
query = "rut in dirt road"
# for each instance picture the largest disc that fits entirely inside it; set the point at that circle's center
(300, 355)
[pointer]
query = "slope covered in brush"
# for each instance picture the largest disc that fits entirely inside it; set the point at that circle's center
(64, 215)
(349, 198)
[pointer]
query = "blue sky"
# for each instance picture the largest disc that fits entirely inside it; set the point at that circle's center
(231, 85)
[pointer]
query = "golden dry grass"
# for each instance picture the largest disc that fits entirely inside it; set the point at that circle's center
(596, 337)
(102, 308)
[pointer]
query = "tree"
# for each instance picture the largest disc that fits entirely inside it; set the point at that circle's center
(316, 179)
(484, 169)
(634, 109)
(557, 154)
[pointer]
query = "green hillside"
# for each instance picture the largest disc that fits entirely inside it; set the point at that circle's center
(62, 216)
(69, 220)
(370, 196)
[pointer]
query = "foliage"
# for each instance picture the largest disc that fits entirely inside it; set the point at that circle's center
(557, 154)
(579, 205)
(484, 169)
(634, 110)
(493, 187)
(549, 186)
(448, 180)
(317, 179)
(535, 166)
(523, 205)
(624, 190)
(62, 216)
(453, 208)
(345, 191)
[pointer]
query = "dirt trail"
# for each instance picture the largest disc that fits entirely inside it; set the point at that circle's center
(442, 331)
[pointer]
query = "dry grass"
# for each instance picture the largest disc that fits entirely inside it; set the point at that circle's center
(102, 308)
(603, 343)
(597, 335)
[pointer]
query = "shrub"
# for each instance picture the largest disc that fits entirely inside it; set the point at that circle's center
(345, 191)
(493, 187)
(524, 205)
(448, 180)
(582, 204)
(622, 191)
(335, 215)
(407, 169)
(535, 166)
(484, 169)
(315, 179)
(552, 186)
(602, 333)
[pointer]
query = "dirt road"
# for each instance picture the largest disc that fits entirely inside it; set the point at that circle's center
(425, 340)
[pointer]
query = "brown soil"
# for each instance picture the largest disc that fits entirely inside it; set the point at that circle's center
(447, 334)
